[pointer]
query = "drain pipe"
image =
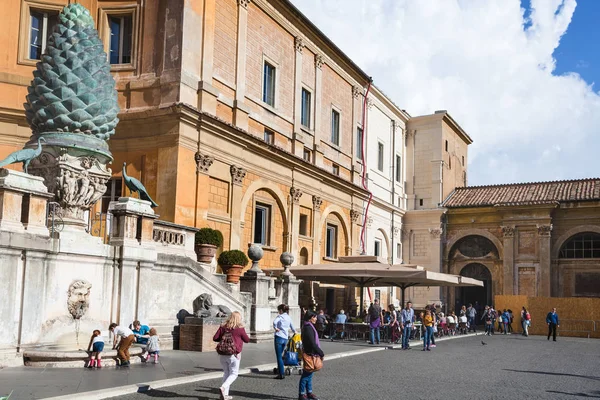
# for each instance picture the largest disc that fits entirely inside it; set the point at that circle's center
(363, 232)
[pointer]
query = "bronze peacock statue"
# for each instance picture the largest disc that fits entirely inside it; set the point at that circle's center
(25, 156)
(136, 186)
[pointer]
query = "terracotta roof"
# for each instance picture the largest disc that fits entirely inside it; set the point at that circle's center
(517, 194)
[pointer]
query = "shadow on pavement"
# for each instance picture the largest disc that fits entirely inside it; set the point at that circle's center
(595, 394)
(594, 378)
(248, 395)
(163, 394)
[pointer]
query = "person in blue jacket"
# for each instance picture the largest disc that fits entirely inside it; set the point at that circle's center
(552, 321)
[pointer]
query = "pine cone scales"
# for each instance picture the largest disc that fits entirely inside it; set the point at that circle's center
(72, 89)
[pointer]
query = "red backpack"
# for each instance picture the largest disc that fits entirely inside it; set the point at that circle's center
(527, 316)
(226, 346)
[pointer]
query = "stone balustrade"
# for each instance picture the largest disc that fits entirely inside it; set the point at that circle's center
(173, 238)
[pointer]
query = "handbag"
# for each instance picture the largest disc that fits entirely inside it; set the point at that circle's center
(311, 363)
(290, 358)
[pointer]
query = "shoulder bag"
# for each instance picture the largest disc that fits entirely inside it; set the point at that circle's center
(311, 363)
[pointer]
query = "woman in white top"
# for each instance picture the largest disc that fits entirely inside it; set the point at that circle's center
(282, 324)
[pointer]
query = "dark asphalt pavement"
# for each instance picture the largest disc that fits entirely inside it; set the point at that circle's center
(507, 367)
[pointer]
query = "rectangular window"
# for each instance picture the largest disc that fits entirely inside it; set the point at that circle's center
(331, 244)
(262, 223)
(446, 145)
(377, 248)
(378, 295)
(398, 250)
(380, 156)
(303, 225)
(398, 169)
(121, 34)
(305, 112)
(42, 22)
(269, 136)
(335, 127)
(336, 169)
(463, 161)
(359, 140)
(306, 155)
(269, 72)
(113, 192)
(421, 202)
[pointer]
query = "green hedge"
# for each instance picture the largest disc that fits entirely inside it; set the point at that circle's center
(209, 236)
(233, 257)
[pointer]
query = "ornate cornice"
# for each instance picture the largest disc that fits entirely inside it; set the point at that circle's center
(544, 230)
(243, 3)
(203, 162)
(299, 44)
(354, 215)
(317, 202)
(237, 174)
(319, 61)
(435, 233)
(295, 194)
(508, 231)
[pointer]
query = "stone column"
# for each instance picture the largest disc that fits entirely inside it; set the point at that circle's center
(317, 202)
(435, 258)
(256, 283)
(294, 228)
(356, 219)
(240, 109)
(207, 93)
(511, 275)
(290, 288)
(237, 179)
(318, 152)
(544, 232)
(203, 163)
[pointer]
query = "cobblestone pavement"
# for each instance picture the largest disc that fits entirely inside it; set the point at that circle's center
(507, 367)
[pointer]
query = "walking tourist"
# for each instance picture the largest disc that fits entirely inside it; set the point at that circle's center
(152, 346)
(312, 356)
(95, 349)
(231, 337)
(406, 323)
(526, 321)
(510, 320)
(428, 325)
(321, 322)
(434, 327)
(123, 339)
(282, 325)
(375, 318)
(471, 315)
(394, 324)
(552, 321)
(505, 320)
(488, 321)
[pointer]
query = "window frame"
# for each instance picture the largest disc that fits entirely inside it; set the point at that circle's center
(302, 104)
(269, 136)
(27, 6)
(335, 133)
(104, 15)
(333, 228)
(267, 223)
(359, 150)
(111, 192)
(380, 156)
(266, 60)
(335, 169)
(306, 152)
(570, 246)
(377, 247)
(398, 172)
(305, 225)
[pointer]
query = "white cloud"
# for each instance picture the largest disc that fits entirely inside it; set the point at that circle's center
(474, 59)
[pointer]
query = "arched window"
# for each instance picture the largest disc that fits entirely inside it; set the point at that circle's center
(582, 245)
(303, 259)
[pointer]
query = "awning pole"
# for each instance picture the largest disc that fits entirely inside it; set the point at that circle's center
(362, 298)
(403, 289)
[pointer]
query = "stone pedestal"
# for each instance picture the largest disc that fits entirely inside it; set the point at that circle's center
(23, 200)
(197, 334)
(133, 221)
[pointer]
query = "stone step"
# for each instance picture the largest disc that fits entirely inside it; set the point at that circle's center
(74, 359)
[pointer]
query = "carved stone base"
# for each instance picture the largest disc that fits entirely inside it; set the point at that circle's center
(77, 177)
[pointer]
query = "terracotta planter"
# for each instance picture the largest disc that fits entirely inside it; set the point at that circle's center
(205, 252)
(233, 272)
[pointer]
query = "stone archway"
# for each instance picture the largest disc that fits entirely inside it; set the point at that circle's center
(475, 295)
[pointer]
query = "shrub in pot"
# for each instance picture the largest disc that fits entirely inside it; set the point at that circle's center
(207, 241)
(232, 263)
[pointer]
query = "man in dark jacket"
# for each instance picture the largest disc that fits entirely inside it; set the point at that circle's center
(552, 321)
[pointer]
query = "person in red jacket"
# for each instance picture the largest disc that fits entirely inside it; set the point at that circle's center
(231, 337)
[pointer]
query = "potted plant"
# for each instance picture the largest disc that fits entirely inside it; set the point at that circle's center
(207, 241)
(232, 263)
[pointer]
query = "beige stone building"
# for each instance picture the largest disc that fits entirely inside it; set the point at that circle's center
(533, 239)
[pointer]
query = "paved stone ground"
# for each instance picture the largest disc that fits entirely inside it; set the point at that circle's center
(507, 367)
(39, 383)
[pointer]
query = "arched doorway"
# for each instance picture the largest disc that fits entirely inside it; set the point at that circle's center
(481, 296)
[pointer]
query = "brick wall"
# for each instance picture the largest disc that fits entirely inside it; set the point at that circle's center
(226, 40)
(421, 244)
(336, 92)
(218, 196)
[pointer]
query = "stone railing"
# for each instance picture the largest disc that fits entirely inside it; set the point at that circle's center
(174, 239)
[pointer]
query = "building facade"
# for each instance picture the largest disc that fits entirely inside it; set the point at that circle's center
(532, 239)
(242, 116)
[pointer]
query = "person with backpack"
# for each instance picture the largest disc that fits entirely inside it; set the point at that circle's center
(375, 318)
(526, 318)
(231, 337)
(282, 325)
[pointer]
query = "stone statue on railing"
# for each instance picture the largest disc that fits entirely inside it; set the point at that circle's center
(203, 308)
(72, 106)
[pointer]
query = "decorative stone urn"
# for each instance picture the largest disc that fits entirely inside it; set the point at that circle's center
(72, 103)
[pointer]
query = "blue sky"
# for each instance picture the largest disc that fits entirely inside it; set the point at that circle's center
(579, 48)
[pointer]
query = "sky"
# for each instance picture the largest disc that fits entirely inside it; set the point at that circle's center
(519, 76)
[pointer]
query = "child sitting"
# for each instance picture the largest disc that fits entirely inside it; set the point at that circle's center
(152, 347)
(97, 346)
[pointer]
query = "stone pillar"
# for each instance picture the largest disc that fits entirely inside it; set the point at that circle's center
(290, 288)
(240, 110)
(544, 232)
(511, 275)
(294, 228)
(23, 199)
(237, 179)
(316, 224)
(299, 45)
(318, 152)
(256, 283)
(203, 163)
(207, 93)
(356, 218)
(435, 253)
